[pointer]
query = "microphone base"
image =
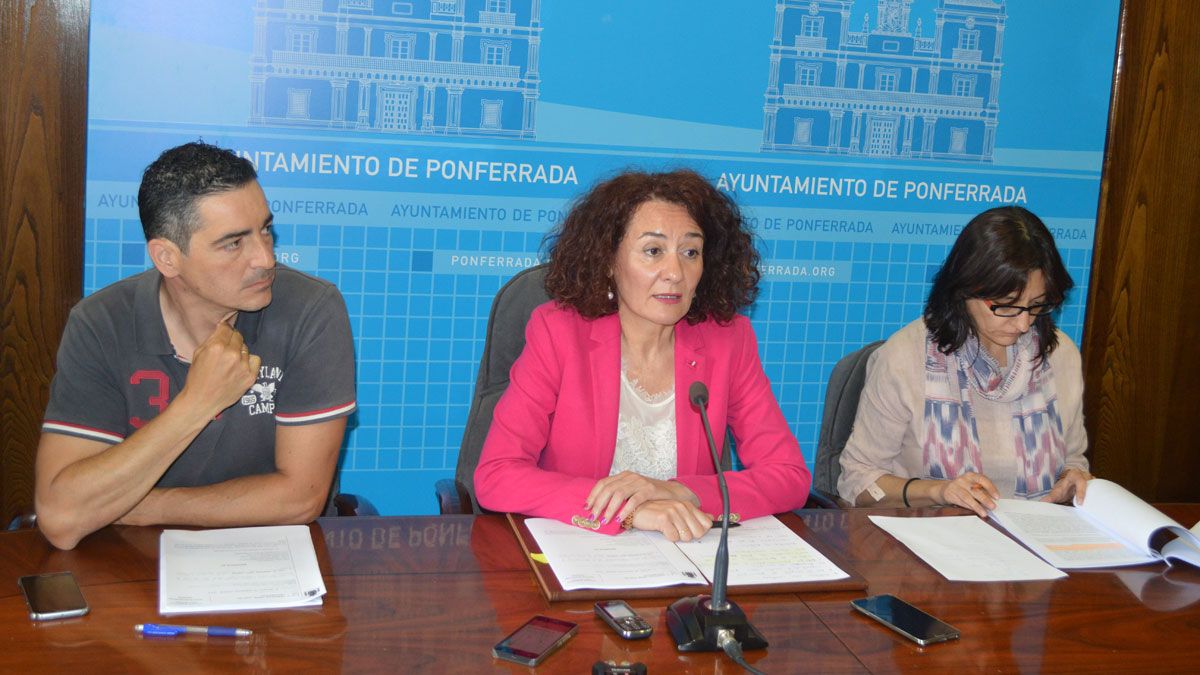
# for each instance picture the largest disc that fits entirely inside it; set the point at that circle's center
(694, 625)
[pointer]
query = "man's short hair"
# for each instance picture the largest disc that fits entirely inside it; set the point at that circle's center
(173, 183)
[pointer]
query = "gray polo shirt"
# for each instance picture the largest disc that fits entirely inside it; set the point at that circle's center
(117, 369)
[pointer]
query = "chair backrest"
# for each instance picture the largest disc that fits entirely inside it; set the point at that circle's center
(504, 342)
(841, 405)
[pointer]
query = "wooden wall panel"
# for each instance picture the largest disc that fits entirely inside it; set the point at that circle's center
(43, 122)
(1142, 334)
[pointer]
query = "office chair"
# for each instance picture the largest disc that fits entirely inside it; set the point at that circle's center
(347, 504)
(504, 342)
(841, 405)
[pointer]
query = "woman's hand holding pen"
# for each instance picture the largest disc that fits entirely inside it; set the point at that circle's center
(971, 490)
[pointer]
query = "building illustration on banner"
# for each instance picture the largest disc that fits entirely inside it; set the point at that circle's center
(448, 67)
(885, 90)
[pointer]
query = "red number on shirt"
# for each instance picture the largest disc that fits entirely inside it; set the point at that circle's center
(159, 400)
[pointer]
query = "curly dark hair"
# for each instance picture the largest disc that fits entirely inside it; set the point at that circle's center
(173, 183)
(583, 247)
(992, 258)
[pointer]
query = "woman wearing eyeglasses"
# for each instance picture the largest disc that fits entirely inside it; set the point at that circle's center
(981, 398)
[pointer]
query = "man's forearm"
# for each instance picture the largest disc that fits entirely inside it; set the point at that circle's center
(266, 499)
(78, 493)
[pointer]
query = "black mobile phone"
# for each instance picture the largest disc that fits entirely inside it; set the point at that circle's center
(905, 619)
(52, 596)
(612, 668)
(530, 644)
(620, 617)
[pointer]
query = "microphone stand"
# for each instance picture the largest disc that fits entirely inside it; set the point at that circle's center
(702, 623)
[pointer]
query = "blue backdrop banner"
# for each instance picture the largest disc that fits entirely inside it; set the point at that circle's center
(416, 154)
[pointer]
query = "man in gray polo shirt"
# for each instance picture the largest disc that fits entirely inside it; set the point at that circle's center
(211, 390)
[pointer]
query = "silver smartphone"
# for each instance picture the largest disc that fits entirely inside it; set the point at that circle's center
(52, 596)
(905, 619)
(621, 618)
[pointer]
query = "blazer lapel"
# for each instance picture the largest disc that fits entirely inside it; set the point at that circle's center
(690, 366)
(605, 363)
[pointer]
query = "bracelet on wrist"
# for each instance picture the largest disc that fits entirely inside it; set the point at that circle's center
(904, 492)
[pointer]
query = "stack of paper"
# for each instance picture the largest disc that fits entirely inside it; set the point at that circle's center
(236, 569)
(1111, 528)
(761, 551)
(964, 548)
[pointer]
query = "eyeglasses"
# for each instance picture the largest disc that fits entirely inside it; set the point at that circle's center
(1009, 311)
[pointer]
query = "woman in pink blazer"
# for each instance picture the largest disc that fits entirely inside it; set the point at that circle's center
(647, 274)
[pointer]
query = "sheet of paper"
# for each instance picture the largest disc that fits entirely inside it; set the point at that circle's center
(237, 569)
(763, 551)
(584, 559)
(1125, 514)
(964, 548)
(1182, 549)
(1185, 548)
(1064, 537)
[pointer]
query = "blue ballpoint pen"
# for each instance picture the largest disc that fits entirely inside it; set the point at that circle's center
(165, 630)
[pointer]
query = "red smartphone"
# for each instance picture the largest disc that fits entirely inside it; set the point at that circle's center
(530, 644)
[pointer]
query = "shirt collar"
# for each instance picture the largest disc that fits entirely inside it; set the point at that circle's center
(247, 324)
(151, 330)
(152, 337)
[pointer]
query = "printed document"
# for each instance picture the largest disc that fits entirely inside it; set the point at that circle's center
(236, 569)
(761, 551)
(1111, 528)
(583, 559)
(964, 548)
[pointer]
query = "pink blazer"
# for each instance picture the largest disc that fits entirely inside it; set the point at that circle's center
(554, 430)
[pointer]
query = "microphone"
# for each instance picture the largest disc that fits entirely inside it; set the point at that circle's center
(698, 395)
(701, 623)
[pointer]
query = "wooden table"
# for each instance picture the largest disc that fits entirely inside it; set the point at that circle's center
(433, 594)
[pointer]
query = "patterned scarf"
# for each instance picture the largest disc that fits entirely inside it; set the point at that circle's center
(951, 443)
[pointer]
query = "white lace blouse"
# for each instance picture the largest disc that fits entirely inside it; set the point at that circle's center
(645, 432)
